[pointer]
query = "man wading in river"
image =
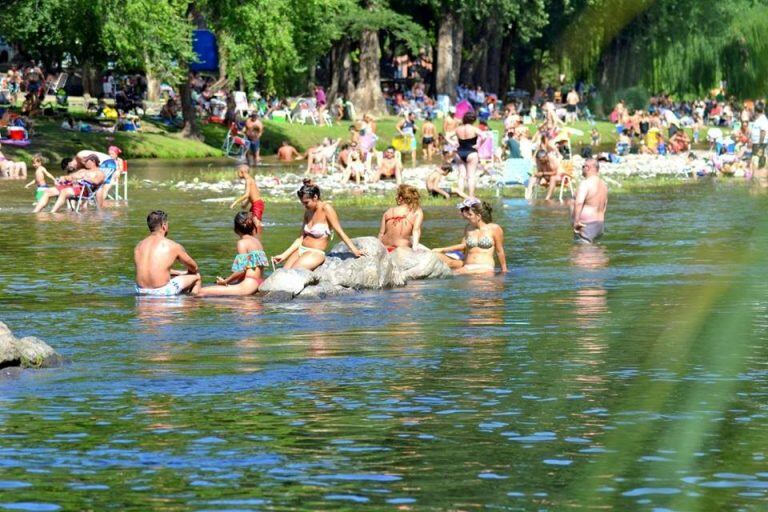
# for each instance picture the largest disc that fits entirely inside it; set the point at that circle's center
(155, 256)
(590, 204)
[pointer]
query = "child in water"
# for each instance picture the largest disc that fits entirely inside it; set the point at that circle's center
(40, 174)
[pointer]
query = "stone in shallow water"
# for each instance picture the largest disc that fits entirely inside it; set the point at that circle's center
(27, 352)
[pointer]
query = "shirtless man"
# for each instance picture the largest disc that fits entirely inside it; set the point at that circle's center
(428, 136)
(253, 132)
(389, 167)
(154, 258)
(287, 153)
(572, 100)
(252, 195)
(590, 204)
(450, 123)
(69, 185)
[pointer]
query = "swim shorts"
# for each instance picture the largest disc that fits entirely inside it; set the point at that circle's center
(590, 232)
(257, 209)
(169, 290)
(39, 192)
(254, 145)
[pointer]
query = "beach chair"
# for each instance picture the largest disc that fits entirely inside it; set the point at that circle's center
(234, 145)
(87, 195)
(516, 171)
(486, 150)
(567, 181)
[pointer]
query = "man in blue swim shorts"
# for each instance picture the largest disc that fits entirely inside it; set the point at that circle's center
(155, 256)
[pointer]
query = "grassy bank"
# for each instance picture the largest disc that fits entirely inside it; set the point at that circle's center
(157, 140)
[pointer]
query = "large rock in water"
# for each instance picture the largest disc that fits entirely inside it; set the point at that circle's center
(343, 273)
(420, 263)
(375, 270)
(27, 352)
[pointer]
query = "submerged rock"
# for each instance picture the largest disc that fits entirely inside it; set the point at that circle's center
(419, 263)
(375, 270)
(288, 282)
(27, 352)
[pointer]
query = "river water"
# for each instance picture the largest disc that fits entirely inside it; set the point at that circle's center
(627, 376)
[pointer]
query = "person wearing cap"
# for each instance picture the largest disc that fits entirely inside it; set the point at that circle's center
(112, 167)
(71, 186)
(482, 240)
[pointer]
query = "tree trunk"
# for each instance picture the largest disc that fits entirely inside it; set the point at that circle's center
(458, 46)
(444, 75)
(223, 56)
(90, 85)
(367, 95)
(190, 129)
(493, 66)
(505, 58)
(341, 71)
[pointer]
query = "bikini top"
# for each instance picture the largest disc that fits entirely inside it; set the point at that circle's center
(251, 259)
(319, 230)
(468, 143)
(483, 242)
(399, 218)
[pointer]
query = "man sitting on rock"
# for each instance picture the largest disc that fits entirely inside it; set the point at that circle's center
(154, 258)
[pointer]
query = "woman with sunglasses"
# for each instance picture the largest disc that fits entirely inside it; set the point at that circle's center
(482, 239)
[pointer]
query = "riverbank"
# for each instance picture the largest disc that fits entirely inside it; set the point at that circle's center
(157, 140)
(279, 184)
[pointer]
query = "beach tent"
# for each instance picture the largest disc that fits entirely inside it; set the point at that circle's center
(462, 108)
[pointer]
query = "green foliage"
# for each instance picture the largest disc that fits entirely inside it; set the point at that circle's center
(635, 98)
(154, 35)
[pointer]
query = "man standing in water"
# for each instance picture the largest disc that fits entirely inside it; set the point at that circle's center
(251, 195)
(590, 204)
(253, 132)
(759, 138)
(155, 256)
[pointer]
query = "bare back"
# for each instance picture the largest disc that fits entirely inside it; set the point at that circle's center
(595, 199)
(398, 224)
(252, 189)
(154, 257)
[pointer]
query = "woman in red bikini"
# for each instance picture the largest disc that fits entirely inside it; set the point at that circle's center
(401, 224)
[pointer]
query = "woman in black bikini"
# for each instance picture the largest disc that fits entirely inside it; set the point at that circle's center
(468, 137)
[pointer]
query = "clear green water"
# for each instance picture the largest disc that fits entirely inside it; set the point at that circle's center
(629, 376)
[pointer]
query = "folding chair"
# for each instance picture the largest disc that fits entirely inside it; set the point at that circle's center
(234, 145)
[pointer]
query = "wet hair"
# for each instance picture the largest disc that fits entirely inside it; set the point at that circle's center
(469, 118)
(65, 163)
(156, 219)
(409, 196)
(308, 189)
(244, 224)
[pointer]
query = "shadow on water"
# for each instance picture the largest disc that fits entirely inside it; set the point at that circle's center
(627, 375)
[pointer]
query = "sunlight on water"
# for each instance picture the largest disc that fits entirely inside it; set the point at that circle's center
(631, 375)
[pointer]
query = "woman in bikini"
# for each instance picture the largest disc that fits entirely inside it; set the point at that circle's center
(248, 266)
(468, 136)
(481, 240)
(401, 224)
(308, 250)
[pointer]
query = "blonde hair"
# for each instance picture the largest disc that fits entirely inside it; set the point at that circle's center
(409, 196)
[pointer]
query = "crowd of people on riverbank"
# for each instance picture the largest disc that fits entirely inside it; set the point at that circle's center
(478, 252)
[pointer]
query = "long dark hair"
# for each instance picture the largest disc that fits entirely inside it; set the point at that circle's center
(484, 210)
(308, 189)
(244, 224)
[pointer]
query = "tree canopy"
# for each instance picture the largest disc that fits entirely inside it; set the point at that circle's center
(685, 47)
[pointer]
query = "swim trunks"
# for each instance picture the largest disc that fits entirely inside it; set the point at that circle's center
(39, 192)
(169, 290)
(254, 145)
(426, 141)
(76, 188)
(257, 209)
(590, 232)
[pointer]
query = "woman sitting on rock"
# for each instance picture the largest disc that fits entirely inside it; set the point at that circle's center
(320, 219)
(401, 224)
(481, 240)
(248, 266)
